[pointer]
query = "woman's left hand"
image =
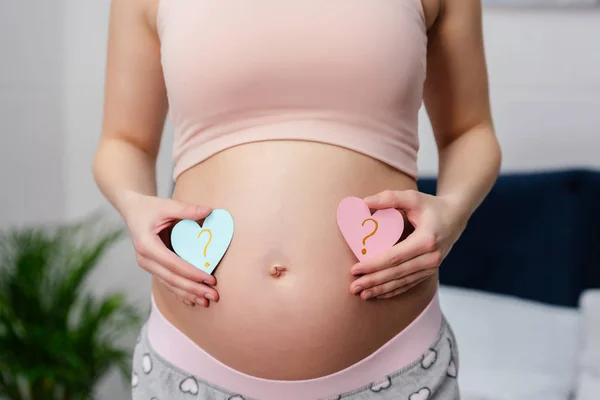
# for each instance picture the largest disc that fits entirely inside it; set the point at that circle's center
(438, 223)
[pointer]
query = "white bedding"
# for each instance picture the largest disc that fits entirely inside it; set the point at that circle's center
(512, 349)
(588, 366)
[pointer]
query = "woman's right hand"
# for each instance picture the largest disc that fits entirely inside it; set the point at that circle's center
(146, 217)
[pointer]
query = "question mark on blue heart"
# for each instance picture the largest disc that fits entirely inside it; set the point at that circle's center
(206, 264)
(187, 239)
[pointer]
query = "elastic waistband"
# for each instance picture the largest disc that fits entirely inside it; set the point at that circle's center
(403, 349)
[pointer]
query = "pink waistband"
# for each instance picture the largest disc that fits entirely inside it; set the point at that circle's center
(403, 349)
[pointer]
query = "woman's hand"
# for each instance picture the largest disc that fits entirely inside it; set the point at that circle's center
(438, 223)
(146, 217)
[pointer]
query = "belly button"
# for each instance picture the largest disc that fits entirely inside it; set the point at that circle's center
(277, 271)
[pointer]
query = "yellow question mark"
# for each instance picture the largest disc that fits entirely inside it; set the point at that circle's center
(364, 241)
(207, 243)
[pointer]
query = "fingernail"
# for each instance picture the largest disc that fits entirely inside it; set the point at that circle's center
(208, 283)
(356, 272)
(209, 296)
(199, 301)
(367, 295)
(357, 289)
(202, 210)
(188, 303)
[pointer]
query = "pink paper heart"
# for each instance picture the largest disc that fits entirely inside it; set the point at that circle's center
(366, 234)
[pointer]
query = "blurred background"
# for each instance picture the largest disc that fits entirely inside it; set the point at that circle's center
(535, 338)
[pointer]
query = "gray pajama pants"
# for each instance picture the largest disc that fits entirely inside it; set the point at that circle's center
(431, 377)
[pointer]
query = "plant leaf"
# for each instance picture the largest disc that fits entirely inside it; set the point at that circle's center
(55, 338)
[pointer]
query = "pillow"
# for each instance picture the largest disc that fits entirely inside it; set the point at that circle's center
(510, 348)
(588, 377)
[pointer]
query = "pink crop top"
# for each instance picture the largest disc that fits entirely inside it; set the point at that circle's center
(344, 72)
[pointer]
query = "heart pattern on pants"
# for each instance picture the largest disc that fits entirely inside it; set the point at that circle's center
(429, 358)
(189, 385)
(422, 394)
(366, 234)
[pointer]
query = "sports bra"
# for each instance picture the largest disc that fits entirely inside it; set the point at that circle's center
(348, 73)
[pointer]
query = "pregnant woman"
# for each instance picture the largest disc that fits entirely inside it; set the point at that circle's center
(281, 109)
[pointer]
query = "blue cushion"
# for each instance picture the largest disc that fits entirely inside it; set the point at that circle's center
(536, 236)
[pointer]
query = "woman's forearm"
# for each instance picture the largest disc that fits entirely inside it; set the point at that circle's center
(122, 169)
(468, 168)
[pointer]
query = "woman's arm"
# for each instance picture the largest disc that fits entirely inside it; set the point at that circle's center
(456, 98)
(457, 102)
(135, 105)
(125, 163)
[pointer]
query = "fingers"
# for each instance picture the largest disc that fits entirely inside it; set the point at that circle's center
(404, 200)
(402, 289)
(186, 298)
(181, 299)
(187, 289)
(412, 247)
(424, 261)
(154, 249)
(179, 210)
(395, 284)
(390, 279)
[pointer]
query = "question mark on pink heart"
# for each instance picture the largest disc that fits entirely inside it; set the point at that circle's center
(364, 241)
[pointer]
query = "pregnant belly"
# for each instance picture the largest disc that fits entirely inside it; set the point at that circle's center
(285, 309)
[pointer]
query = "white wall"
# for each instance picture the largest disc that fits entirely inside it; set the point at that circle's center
(31, 138)
(544, 69)
(545, 85)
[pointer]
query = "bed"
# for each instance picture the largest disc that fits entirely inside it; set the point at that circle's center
(521, 289)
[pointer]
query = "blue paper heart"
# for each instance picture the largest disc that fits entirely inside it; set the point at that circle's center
(203, 246)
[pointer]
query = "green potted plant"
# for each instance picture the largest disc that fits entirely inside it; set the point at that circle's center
(57, 340)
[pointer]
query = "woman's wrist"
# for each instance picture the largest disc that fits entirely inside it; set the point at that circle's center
(460, 209)
(126, 200)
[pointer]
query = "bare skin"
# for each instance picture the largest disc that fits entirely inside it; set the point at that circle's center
(282, 304)
(303, 322)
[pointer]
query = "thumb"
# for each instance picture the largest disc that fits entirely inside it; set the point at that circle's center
(179, 210)
(400, 199)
